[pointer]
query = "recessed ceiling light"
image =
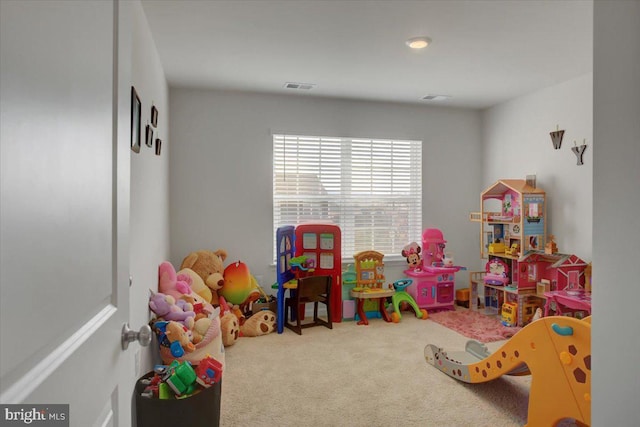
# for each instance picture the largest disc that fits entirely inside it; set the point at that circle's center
(300, 86)
(418, 42)
(436, 97)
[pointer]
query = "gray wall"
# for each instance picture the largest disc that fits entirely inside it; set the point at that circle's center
(149, 221)
(221, 163)
(516, 142)
(616, 195)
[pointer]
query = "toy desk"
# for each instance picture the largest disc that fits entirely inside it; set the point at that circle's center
(379, 294)
(572, 299)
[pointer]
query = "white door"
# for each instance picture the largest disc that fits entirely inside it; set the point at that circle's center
(64, 212)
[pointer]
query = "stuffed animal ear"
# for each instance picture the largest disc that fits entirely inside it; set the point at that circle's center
(221, 253)
(189, 261)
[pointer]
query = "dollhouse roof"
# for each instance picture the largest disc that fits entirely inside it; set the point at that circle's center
(517, 185)
(556, 260)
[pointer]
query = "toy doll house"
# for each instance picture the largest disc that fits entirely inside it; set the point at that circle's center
(562, 271)
(512, 221)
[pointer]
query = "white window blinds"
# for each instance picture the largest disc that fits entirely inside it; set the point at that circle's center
(371, 188)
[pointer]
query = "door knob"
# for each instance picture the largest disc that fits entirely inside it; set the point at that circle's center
(143, 336)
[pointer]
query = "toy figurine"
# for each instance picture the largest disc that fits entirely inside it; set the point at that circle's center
(412, 253)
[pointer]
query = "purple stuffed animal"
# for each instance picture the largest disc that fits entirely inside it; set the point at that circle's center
(165, 306)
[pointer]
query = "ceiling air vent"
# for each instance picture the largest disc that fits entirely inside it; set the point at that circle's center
(436, 97)
(299, 86)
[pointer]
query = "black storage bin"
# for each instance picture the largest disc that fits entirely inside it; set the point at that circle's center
(199, 410)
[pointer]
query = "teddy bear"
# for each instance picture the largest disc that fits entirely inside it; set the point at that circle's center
(176, 333)
(209, 265)
(261, 323)
(229, 328)
(164, 306)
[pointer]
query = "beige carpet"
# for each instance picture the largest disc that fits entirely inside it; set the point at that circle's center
(354, 375)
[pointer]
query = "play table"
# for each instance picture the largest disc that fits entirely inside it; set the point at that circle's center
(362, 294)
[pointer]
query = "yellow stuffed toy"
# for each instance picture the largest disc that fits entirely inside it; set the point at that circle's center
(209, 265)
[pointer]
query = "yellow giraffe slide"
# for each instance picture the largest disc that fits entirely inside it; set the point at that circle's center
(555, 351)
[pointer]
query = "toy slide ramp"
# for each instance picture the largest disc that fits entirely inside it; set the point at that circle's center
(555, 351)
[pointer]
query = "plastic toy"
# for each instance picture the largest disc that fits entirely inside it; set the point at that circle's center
(320, 245)
(370, 293)
(412, 253)
(433, 245)
(509, 315)
(401, 296)
(497, 272)
(497, 248)
(209, 265)
(433, 286)
(182, 379)
(514, 250)
(550, 247)
(208, 372)
(555, 351)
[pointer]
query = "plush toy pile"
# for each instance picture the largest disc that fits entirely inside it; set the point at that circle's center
(205, 307)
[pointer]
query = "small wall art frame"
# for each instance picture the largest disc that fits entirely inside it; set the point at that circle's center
(158, 146)
(149, 136)
(136, 109)
(154, 116)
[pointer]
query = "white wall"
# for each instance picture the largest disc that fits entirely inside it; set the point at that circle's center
(516, 142)
(221, 167)
(149, 232)
(616, 195)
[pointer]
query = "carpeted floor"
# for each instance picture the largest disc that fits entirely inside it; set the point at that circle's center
(474, 325)
(355, 375)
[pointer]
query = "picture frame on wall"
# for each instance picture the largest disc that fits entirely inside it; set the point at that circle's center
(154, 116)
(158, 146)
(149, 136)
(136, 110)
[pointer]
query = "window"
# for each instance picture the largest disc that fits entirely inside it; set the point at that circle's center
(371, 188)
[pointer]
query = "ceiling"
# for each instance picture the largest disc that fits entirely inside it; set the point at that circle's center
(483, 52)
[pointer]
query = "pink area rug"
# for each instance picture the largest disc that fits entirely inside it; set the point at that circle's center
(474, 325)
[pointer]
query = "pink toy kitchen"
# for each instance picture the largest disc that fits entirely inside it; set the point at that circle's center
(433, 286)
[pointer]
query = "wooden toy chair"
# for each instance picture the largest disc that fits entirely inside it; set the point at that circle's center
(311, 289)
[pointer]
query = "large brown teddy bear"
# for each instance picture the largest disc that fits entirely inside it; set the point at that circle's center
(209, 265)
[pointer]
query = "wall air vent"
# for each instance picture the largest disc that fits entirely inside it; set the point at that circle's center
(299, 86)
(436, 97)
